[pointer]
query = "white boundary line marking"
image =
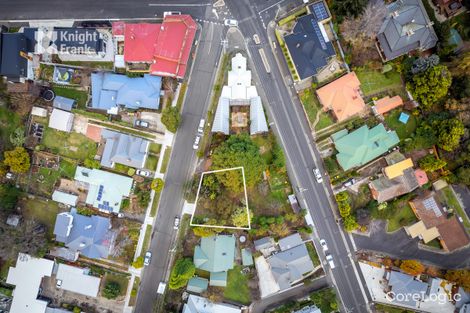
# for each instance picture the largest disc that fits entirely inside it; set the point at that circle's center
(246, 200)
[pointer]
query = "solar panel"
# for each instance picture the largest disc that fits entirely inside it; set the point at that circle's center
(319, 34)
(320, 11)
(430, 204)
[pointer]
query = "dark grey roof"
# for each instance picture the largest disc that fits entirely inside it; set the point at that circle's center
(90, 235)
(123, 149)
(63, 103)
(290, 265)
(12, 64)
(308, 48)
(406, 28)
(406, 285)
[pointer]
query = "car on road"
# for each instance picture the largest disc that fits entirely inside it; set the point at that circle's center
(171, 13)
(176, 223)
(231, 23)
(329, 258)
(317, 174)
(161, 288)
(196, 142)
(200, 128)
(256, 39)
(143, 173)
(142, 123)
(323, 244)
(147, 258)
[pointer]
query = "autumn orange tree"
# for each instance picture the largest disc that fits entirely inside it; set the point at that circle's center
(412, 267)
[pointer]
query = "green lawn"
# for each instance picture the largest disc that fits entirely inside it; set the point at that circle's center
(72, 145)
(404, 216)
(311, 106)
(145, 244)
(156, 199)
(166, 160)
(151, 162)
(382, 308)
(451, 201)
(312, 253)
(435, 243)
(42, 211)
(403, 130)
(80, 96)
(373, 82)
(122, 280)
(67, 168)
(9, 121)
(121, 168)
(237, 286)
(155, 148)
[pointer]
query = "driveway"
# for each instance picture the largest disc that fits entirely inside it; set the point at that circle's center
(399, 245)
(463, 193)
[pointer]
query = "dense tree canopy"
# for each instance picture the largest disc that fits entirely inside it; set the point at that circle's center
(181, 273)
(8, 196)
(17, 159)
(430, 163)
(238, 150)
(430, 86)
(171, 118)
(347, 8)
(449, 133)
(412, 267)
(240, 217)
(463, 175)
(461, 277)
(17, 138)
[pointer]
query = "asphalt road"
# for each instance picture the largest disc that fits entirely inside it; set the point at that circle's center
(284, 110)
(182, 163)
(98, 9)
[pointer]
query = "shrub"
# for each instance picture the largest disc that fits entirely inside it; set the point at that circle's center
(112, 290)
(412, 267)
(171, 118)
(157, 184)
(182, 271)
(138, 263)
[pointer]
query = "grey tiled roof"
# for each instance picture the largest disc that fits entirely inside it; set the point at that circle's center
(406, 28)
(123, 149)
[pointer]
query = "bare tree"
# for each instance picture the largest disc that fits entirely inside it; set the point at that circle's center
(365, 27)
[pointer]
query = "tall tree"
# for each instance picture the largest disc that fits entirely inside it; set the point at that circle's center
(461, 277)
(17, 159)
(449, 133)
(430, 163)
(430, 86)
(412, 267)
(238, 150)
(171, 118)
(17, 138)
(348, 8)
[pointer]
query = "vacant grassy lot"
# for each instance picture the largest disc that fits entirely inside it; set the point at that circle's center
(237, 286)
(403, 130)
(80, 96)
(71, 145)
(42, 211)
(374, 82)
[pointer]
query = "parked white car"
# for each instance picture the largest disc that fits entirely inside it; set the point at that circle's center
(142, 123)
(200, 128)
(317, 174)
(161, 288)
(323, 245)
(329, 258)
(147, 258)
(231, 23)
(196, 142)
(143, 173)
(176, 223)
(256, 39)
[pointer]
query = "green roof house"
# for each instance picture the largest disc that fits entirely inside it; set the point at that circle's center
(197, 285)
(362, 145)
(215, 255)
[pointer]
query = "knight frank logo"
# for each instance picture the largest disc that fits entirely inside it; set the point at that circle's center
(65, 41)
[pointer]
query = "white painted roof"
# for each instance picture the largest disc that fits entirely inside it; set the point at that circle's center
(258, 120)
(61, 120)
(26, 276)
(75, 279)
(65, 198)
(198, 304)
(37, 111)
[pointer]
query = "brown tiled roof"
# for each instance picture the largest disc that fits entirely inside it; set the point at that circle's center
(452, 234)
(384, 189)
(94, 132)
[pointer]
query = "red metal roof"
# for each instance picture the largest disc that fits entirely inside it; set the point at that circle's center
(118, 28)
(174, 46)
(167, 46)
(140, 41)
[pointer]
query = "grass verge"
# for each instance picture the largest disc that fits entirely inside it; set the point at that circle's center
(166, 160)
(237, 286)
(146, 242)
